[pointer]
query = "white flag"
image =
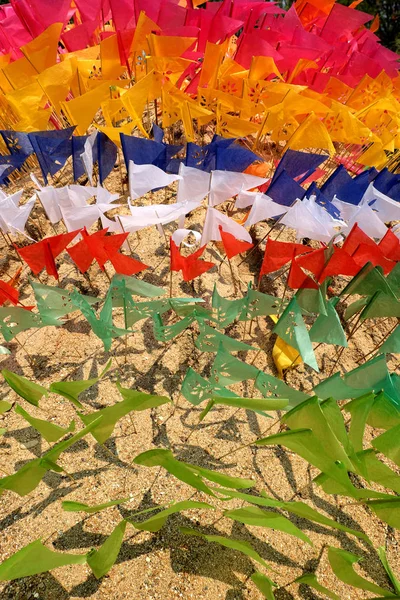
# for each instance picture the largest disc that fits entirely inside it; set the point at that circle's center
(84, 216)
(301, 219)
(245, 199)
(387, 209)
(15, 198)
(226, 184)
(346, 209)
(264, 208)
(87, 155)
(13, 218)
(194, 185)
(144, 178)
(368, 221)
(180, 234)
(215, 218)
(156, 214)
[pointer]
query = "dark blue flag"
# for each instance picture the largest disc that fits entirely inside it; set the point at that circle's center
(299, 163)
(8, 164)
(332, 186)
(52, 149)
(158, 133)
(78, 146)
(148, 152)
(285, 190)
(323, 201)
(17, 142)
(106, 154)
(353, 191)
(388, 183)
(235, 158)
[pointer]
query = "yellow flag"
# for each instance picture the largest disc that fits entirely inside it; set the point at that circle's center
(81, 111)
(36, 122)
(302, 65)
(229, 126)
(111, 67)
(113, 109)
(262, 67)
(140, 48)
(42, 51)
(213, 57)
(56, 81)
(169, 45)
(26, 101)
(344, 127)
(284, 356)
(312, 133)
(19, 73)
(374, 156)
(144, 91)
(113, 132)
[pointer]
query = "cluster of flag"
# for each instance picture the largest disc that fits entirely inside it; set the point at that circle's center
(320, 77)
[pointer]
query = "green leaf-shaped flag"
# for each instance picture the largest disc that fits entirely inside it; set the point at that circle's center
(393, 279)
(271, 387)
(138, 287)
(227, 311)
(377, 471)
(382, 555)
(36, 558)
(328, 328)
(367, 282)
(311, 301)
(239, 546)
(264, 584)
(28, 390)
(342, 563)
(252, 515)
(227, 369)
(103, 326)
(188, 473)
(4, 406)
(260, 305)
(292, 330)
(50, 431)
(54, 302)
(387, 509)
(101, 560)
(70, 506)
(209, 340)
(311, 580)
(156, 522)
(29, 476)
(388, 444)
(196, 389)
(14, 319)
(133, 400)
(166, 333)
(392, 344)
(72, 389)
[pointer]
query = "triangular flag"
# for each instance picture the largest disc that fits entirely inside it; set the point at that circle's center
(233, 246)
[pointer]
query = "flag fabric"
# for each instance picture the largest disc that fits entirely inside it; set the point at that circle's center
(215, 219)
(225, 185)
(278, 254)
(232, 246)
(144, 178)
(42, 255)
(191, 266)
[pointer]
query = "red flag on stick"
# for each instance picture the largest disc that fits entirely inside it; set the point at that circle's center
(366, 253)
(390, 246)
(232, 246)
(277, 254)
(340, 263)
(355, 238)
(297, 279)
(191, 266)
(43, 254)
(8, 293)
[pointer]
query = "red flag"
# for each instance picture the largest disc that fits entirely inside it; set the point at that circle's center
(355, 238)
(90, 248)
(277, 254)
(232, 246)
(42, 254)
(366, 253)
(298, 279)
(340, 263)
(8, 293)
(191, 266)
(390, 246)
(125, 265)
(314, 261)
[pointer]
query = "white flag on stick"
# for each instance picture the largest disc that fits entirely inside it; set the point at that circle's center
(264, 208)
(87, 155)
(386, 208)
(226, 184)
(144, 178)
(300, 218)
(194, 185)
(215, 218)
(13, 218)
(368, 221)
(156, 214)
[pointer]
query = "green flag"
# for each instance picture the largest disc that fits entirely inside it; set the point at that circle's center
(138, 287)
(311, 301)
(196, 389)
(103, 326)
(54, 302)
(72, 389)
(14, 319)
(381, 305)
(271, 387)
(227, 311)
(292, 330)
(368, 281)
(28, 390)
(328, 328)
(209, 340)
(393, 279)
(165, 333)
(392, 344)
(228, 369)
(50, 431)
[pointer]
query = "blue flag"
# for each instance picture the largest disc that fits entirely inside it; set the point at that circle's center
(8, 164)
(17, 142)
(336, 182)
(388, 183)
(106, 154)
(52, 149)
(299, 163)
(353, 191)
(285, 190)
(323, 201)
(235, 158)
(78, 146)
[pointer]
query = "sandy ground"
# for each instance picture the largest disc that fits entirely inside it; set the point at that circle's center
(168, 565)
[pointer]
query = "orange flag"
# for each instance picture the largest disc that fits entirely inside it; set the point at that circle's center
(81, 110)
(56, 81)
(42, 51)
(312, 133)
